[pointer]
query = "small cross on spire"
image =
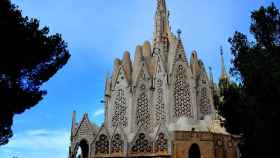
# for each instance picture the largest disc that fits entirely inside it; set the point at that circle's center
(221, 50)
(179, 33)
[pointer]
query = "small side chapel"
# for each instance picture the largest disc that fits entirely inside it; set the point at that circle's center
(158, 105)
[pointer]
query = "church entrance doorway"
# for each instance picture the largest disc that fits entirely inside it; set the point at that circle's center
(194, 151)
(83, 150)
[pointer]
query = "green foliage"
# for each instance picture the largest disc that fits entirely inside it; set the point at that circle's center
(29, 57)
(252, 109)
(232, 108)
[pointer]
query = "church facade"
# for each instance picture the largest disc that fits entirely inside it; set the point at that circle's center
(158, 105)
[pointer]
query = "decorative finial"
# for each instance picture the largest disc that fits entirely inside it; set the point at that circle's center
(211, 76)
(224, 75)
(179, 33)
(221, 50)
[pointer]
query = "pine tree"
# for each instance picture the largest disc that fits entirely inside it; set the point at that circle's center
(29, 57)
(252, 109)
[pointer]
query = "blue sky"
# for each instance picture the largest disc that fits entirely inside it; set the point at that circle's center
(98, 31)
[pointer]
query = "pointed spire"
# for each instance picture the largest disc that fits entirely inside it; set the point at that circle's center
(147, 49)
(138, 57)
(126, 57)
(162, 16)
(161, 4)
(211, 75)
(73, 126)
(194, 62)
(127, 65)
(107, 85)
(117, 64)
(137, 61)
(212, 84)
(180, 51)
(162, 28)
(107, 95)
(224, 75)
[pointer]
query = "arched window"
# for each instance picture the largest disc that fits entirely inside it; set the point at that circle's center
(161, 144)
(142, 144)
(117, 144)
(102, 145)
(82, 150)
(194, 151)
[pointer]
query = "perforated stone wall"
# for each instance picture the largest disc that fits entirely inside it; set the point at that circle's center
(120, 110)
(182, 94)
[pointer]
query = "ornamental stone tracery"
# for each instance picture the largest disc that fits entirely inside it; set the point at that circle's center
(159, 107)
(102, 145)
(182, 94)
(142, 144)
(143, 112)
(119, 111)
(204, 107)
(161, 143)
(117, 144)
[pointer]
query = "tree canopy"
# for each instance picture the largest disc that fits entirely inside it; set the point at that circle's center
(252, 108)
(29, 58)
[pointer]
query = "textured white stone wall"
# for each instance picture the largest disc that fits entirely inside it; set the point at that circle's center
(145, 81)
(147, 90)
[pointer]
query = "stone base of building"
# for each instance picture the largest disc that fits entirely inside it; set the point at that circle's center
(203, 145)
(182, 144)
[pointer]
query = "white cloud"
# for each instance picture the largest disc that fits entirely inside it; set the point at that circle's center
(43, 141)
(98, 112)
